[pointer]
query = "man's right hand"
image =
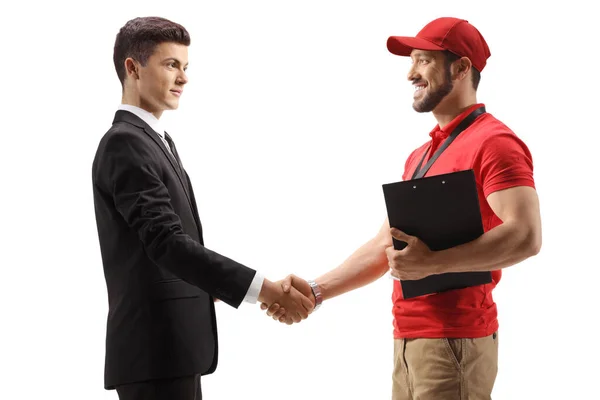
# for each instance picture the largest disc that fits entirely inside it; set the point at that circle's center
(292, 295)
(279, 311)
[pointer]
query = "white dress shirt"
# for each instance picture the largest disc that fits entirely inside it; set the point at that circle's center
(156, 125)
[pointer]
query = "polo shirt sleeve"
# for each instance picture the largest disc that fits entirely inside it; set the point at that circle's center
(503, 161)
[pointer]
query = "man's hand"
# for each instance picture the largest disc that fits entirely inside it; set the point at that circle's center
(278, 311)
(414, 261)
(291, 296)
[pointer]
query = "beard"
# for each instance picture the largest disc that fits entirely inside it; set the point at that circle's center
(431, 99)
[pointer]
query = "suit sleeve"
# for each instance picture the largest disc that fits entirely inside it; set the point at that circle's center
(130, 174)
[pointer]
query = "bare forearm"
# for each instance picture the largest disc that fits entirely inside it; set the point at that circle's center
(505, 245)
(364, 266)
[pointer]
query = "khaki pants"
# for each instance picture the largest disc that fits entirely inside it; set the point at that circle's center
(445, 369)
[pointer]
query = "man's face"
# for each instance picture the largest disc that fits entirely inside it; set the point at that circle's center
(162, 80)
(431, 79)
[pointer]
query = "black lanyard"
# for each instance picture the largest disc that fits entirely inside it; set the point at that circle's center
(419, 173)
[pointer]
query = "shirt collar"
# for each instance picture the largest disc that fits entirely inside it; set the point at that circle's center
(147, 117)
(438, 133)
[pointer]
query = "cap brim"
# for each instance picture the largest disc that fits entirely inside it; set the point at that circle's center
(404, 45)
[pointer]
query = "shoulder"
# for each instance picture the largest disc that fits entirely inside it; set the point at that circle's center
(124, 146)
(124, 138)
(502, 159)
(497, 138)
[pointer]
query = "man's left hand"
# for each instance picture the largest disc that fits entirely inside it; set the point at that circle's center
(413, 262)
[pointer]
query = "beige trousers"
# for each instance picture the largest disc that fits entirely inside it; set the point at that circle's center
(445, 369)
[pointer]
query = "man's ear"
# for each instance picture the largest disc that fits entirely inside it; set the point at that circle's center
(462, 68)
(132, 68)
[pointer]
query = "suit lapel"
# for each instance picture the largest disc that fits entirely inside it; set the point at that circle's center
(126, 116)
(194, 208)
(174, 164)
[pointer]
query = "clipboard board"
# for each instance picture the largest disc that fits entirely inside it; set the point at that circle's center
(443, 211)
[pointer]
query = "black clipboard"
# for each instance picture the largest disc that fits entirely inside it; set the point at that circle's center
(443, 211)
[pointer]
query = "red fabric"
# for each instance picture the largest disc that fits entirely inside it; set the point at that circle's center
(500, 160)
(446, 33)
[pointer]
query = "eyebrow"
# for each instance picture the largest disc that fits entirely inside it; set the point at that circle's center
(422, 54)
(174, 59)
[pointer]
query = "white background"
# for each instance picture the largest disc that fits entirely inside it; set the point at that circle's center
(294, 116)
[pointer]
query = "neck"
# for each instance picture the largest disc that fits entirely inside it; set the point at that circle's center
(445, 113)
(133, 99)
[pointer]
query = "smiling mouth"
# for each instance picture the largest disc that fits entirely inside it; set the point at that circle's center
(420, 87)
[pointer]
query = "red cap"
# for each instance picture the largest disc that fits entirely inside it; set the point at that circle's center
(452, 34)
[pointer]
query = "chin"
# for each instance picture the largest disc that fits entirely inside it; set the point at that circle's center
(418, 106)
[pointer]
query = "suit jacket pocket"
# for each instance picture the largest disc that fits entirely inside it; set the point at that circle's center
(174, 289)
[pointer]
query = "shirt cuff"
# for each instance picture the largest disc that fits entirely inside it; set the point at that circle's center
(255, 288)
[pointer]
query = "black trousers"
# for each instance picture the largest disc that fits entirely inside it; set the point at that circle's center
(184, 388)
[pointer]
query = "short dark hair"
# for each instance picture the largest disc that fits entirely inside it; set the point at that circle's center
(475, 74)
(139, 37)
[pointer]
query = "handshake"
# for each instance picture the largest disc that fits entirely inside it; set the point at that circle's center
(288, 301)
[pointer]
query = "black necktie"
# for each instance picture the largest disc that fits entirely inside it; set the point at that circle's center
(174, 151)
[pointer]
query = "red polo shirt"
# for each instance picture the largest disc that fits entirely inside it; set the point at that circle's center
(500, 160)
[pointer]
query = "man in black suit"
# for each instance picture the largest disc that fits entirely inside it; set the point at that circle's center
(161, 281)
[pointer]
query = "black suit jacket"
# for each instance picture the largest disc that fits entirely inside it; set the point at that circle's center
(160, 278)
